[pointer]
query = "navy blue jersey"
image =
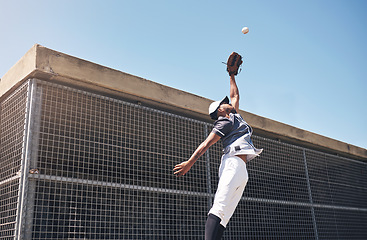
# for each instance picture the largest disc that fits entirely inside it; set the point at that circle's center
(236, 135)
(232, 128)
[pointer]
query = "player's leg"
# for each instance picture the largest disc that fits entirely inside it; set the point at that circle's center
(220, 232)
(231, 207)
(212, 227)
(232, 182)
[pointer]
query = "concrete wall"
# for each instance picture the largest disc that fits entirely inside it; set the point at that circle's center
(43, 63)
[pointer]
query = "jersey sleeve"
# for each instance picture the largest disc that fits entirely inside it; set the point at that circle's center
(222, 127)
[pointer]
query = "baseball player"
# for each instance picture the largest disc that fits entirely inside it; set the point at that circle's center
(238, 149)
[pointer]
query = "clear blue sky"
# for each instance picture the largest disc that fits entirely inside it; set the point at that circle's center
(305, 61)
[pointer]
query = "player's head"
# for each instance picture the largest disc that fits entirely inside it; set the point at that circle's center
(214, 106)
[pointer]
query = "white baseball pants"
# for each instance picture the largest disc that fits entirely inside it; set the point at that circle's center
(233, 178)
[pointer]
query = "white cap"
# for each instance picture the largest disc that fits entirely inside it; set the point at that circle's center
(214, 107)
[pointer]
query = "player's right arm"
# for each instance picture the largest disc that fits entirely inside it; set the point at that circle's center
(182, 168)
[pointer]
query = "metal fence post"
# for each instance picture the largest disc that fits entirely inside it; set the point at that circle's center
(29, 158)
(310, 196)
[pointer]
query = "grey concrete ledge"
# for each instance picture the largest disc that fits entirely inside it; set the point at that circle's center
(46, 64)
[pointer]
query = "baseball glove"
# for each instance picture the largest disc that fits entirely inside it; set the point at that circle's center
(233, 64)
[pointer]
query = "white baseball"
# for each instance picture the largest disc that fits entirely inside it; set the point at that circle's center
(245, 30)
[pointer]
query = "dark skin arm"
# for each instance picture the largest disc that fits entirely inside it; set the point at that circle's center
(182, 168)
(234, 94)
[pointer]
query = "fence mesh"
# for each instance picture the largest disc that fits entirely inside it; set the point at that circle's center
(12, 124)
(105, 172)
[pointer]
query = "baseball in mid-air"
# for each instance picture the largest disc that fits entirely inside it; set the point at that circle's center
(245, 30)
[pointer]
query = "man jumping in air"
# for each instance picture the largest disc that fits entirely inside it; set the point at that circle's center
(238, 149)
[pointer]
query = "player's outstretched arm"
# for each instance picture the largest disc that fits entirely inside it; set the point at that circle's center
(234, 94)
(182, 168)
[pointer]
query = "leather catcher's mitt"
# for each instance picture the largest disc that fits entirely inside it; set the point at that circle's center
(233, 64)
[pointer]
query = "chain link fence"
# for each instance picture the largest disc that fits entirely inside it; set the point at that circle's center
(79, 165)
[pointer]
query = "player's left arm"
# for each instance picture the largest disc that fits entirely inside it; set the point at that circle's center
(182, 168)
(234, 93)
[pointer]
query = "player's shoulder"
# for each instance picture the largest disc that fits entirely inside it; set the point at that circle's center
(223, 121)
(235, 115)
